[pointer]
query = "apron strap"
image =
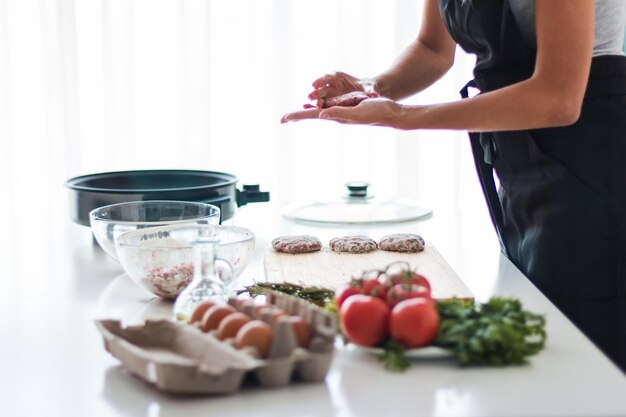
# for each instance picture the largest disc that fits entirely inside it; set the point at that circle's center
(464, 91)
(485, 174)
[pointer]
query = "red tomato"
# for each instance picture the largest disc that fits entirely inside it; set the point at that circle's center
(414, 323)
(401, 292)
(364, 320)
(368, 285)
(344, 292)
(409, 277)
(380, 291)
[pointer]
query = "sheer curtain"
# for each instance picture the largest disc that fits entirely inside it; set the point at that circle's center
(100, 85)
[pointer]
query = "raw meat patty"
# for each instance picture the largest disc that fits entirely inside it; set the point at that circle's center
(402, 242)
(345, 100)
(353, 244)
(297, 244)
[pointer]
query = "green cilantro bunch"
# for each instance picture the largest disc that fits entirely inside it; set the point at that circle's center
(496, 333)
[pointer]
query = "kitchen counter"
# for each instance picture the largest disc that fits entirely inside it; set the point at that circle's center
(53, 362)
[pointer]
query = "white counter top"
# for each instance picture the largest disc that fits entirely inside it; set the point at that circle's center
(53, 362)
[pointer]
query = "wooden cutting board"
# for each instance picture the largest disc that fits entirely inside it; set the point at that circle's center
(331, 269)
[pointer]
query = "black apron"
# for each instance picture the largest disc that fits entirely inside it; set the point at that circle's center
(560, 209)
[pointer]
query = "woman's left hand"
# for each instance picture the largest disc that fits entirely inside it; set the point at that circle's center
(375, 111)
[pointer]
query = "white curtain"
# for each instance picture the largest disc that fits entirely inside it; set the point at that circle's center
(100, 85)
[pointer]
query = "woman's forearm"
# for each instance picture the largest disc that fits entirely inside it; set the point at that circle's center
(525, 105)
(416, 69)
(551, 97)
(423, 62)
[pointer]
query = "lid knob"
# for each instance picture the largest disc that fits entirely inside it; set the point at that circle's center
(357, 189)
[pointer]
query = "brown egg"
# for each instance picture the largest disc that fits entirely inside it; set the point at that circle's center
(278, 313)
(302, 330)
(259, 309)
(230, 325)
(257, 334)
(214, 315)
(200, 310)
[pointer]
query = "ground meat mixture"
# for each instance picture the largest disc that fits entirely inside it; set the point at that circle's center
(353, 244)
(402, 242)
(168, 283)
(346, 100)
(297, 244)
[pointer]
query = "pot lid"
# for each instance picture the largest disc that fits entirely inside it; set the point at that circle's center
(357, 207)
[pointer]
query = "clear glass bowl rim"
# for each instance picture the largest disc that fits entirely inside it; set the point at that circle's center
(93, 214)
(247, 235)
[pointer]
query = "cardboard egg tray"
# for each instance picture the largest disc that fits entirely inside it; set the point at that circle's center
(179, 358)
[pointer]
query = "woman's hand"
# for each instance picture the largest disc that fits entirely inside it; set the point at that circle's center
(329, 86)
(337, 84)
(375, 111)
(308, 113)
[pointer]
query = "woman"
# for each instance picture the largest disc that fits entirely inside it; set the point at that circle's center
(550, 121)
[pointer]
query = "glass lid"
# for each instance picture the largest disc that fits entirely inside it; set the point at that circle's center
(357, 207)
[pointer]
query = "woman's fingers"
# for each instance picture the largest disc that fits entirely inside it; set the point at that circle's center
(314, 113)
(325, 79)
(338, 114)
(373, 111)
(311, 113)
(335, 84)
(323, 92)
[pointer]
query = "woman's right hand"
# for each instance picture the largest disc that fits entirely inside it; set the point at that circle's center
(339, 83)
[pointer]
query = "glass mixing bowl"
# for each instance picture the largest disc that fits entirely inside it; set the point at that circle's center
(110, 222)
(161, 259)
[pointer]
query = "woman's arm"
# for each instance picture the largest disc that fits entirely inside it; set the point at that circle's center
(551, 97)
(423, 62)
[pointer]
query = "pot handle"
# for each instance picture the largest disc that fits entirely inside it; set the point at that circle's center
(251, 193)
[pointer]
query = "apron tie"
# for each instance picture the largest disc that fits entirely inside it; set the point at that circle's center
(483, 147)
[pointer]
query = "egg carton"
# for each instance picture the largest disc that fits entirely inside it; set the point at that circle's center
(180, 358)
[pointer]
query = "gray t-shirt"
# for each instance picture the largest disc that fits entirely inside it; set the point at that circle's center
(610, 21)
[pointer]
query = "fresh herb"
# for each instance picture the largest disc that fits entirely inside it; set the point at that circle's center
(496, 333)
(393, 356)
(316, 295)
(331, 307)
